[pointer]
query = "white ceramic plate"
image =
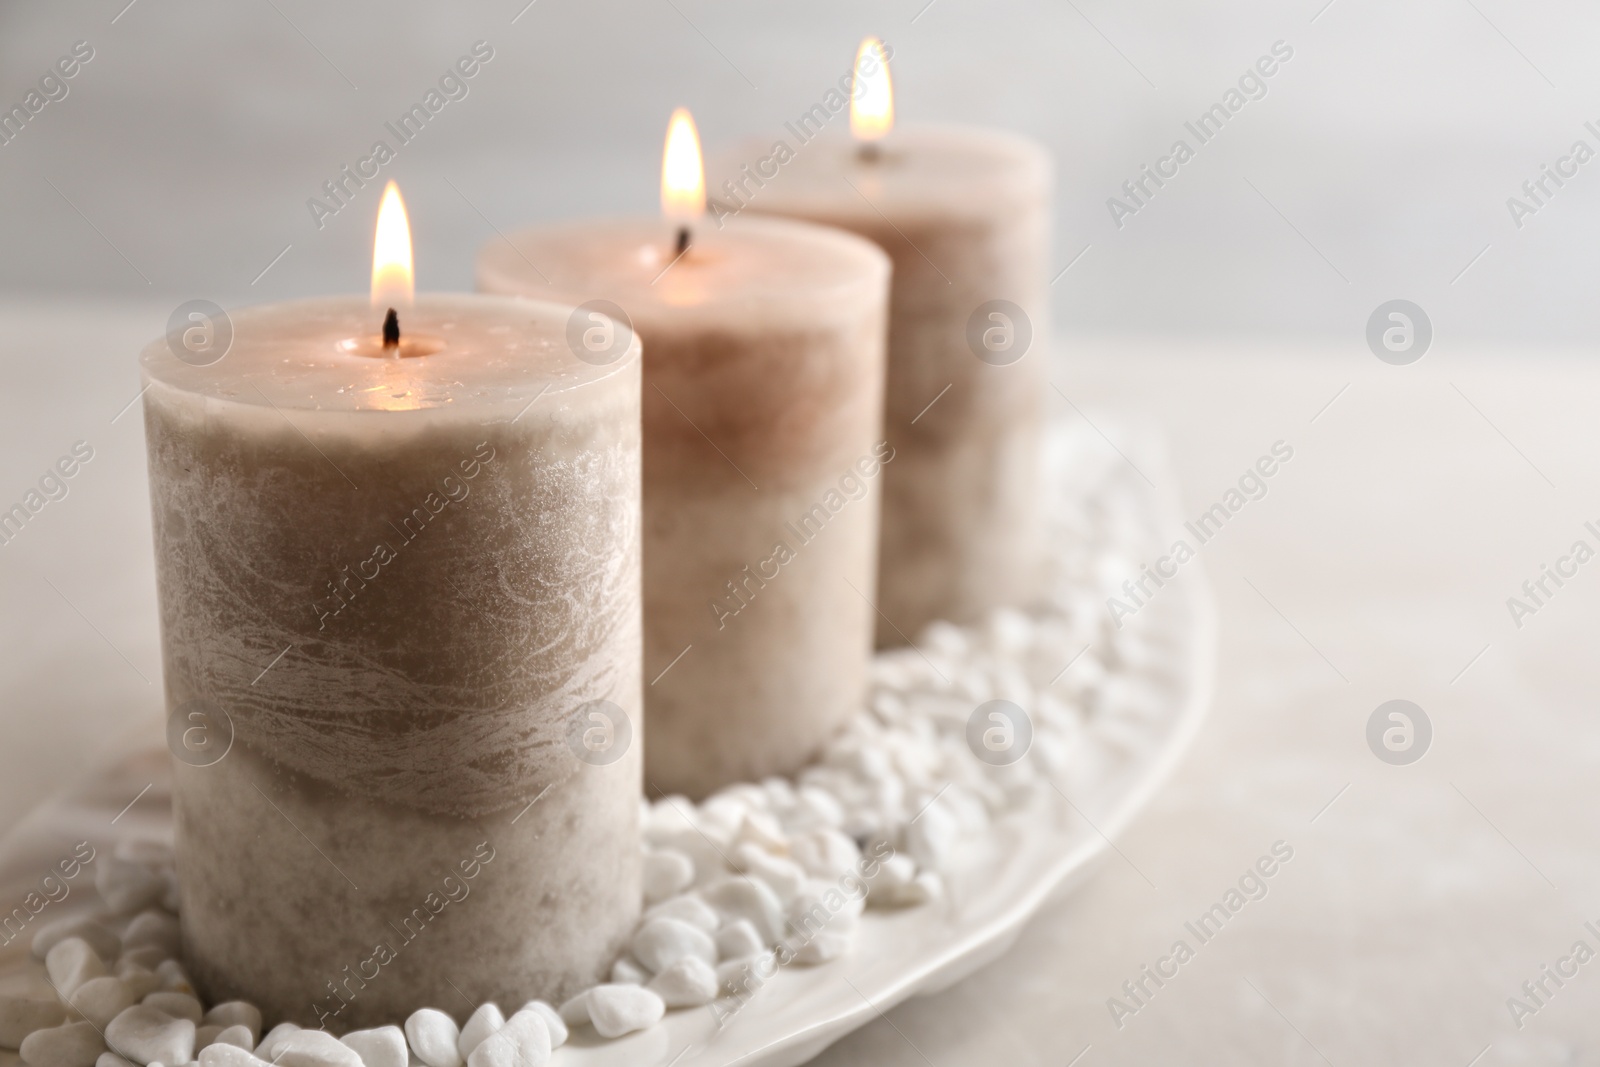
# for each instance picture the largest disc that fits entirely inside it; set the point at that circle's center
(998, 882)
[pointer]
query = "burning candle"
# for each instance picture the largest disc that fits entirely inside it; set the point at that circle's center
(397, 548)
(763, 393)
(965, 216)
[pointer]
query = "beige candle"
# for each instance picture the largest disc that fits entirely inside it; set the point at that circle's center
(965, 216)
(763, 392)
(398, 585)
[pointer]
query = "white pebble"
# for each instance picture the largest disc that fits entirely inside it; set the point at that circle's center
(785, 877)
(268, 1049)
(106, 944)
(236, 1013)
(238, 1035)
(690, 909)
(689, 983)
(552, 1021)
(204, 1035)
(741, 977)
(747, 898)
(315, 1048)
(574, 1011)
(128, 887)
(149, 957)
(615, 1010)
(141, 981)
(826, 945)
(152, 927)
(223, 1054)
(738, 939)
(174, 979)
(626, 972)
(760, 828)
(384, 1046)
(71, 963)
(102, 999)
(524, 1041)
(479, 1025)
(70, 1045)
(931, 837)
(433, 1036)
(148, 1035)
(659, 943)
(666, 872)
(815, 809)
(21, 1015)
(111, 1059)
(177, 1005)
(824, 853)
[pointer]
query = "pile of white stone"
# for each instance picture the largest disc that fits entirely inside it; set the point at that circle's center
(754, 878)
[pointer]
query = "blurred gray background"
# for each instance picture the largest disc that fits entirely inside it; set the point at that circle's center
(1377, 166)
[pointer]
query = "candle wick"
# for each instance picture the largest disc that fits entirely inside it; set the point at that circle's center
(391, 330)
(869, 151)
(683, 240)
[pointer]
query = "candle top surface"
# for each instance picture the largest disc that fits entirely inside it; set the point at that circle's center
(479, 353)
(745, 265)
(946, 168)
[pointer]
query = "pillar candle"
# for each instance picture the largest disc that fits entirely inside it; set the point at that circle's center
(399, 593)
(763, 456)
(964, 215)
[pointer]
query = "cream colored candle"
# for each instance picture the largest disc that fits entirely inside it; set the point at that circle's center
(763, 453)
(965, 216)
(394, 585)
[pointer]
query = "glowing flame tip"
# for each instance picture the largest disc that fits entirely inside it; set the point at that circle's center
(683, 172)
(393, 278)
(872, 93)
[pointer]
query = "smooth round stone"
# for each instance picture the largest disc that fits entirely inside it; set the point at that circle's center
(222, 1054)
(315, 1048)
(72, 962)
(236, 1013)
(689, 983)
(146, 1034)
(524, 1041)
(99, 1000)
(666, 873)
(660, 943)
(552, 1021)
(480, 1025)
(615, 1010)
(434, 1037)
(384, 1046)
(153, 927)
(237, 1035)
(178, 1005)
(69, 1045)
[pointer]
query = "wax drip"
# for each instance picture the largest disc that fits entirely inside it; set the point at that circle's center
(391, 330)
(683, 240)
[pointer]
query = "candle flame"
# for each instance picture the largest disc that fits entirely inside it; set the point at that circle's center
(393, 280)
(871, 94)
(683, 173)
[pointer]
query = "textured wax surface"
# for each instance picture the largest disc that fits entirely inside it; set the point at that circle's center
(964, 215)
(763, 392)
(447, 587)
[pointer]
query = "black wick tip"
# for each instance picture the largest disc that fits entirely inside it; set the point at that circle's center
(869, 151)
(683, 239)
(391, 330)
